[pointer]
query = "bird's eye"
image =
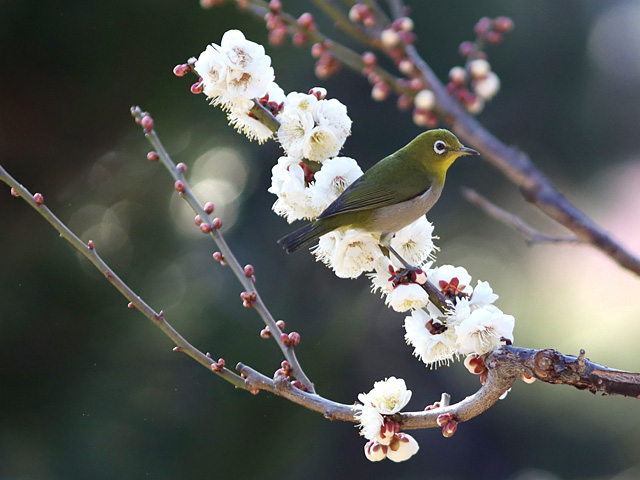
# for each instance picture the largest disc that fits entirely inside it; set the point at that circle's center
(439, 147)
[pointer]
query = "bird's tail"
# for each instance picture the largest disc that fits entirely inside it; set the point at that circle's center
(304, 236)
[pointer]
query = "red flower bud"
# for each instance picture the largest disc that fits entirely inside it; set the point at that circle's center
(208, 207)
(147, 123)
(39, 198)
(153, 156)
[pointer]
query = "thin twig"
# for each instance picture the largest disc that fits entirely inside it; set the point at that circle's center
(531, 235)
(231, 260)
(88, 250)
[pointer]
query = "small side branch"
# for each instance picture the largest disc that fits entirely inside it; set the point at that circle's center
(187, 194)
(531, 235)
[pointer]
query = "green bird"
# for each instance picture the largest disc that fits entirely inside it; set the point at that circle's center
(393, 193)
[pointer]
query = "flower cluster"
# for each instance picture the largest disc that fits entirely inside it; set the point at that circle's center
(374, 416)
(473, 325)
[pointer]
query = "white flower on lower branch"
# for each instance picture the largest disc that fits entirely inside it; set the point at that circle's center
(386, 398)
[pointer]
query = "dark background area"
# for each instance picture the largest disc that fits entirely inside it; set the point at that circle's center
(90, 389)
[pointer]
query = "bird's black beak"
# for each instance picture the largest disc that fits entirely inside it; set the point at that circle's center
(467, 151)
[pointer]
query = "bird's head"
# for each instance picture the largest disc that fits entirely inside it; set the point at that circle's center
(437, 150)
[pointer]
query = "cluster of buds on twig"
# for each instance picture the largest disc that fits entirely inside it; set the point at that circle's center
(448, 423)
(248, 299)
(288, 339)
(475, 83)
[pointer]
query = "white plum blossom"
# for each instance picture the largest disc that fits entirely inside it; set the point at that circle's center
(356, 252)
(432, 348)
(331, 180)
(369, 419)
(288, 183)
(382, 278)
(387, 396)
(480, 332)
(348, 253)
(482, 294)
(414, 242)
(451, 279)
(407, 296)
(402, 447)
(239, 115)
(237, 68)
(311, 128)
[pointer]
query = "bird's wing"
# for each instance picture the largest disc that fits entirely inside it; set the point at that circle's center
(364, 194)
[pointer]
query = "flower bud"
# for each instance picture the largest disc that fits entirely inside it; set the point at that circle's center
(177, 349)
(406, 66)
(14, 192)
(280, 324)
(444, 419)
(402, 448)
(179, 186)
(197, 220)
(425, 100)
(487, 86)
(389, 38)
(375, 451)
(380, 91)
(181, 167)
(91, 245)
(294, 338)
(299, 385)
(318, 92)
(465, 48)
(181, 70)
(205, 227)
(130, 305)
(482, 26)
(284, 338)
(449, 429)
(405, 24)
(217, 223)
(317, 49)
(197, 88)
(458, 75)
(479, 68)
(147, 123)
(248, 270)
(265, 333)
(306, 20)
(502, 24)
(474, 364)
(39, 199)
(208, 208)
(153, 156)
(369, 59)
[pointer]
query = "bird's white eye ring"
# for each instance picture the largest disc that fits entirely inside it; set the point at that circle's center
(439, 147)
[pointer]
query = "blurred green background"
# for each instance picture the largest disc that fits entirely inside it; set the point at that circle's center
(90, 389)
